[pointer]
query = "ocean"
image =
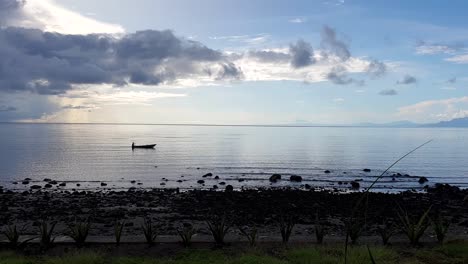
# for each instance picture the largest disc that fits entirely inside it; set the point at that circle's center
(85, 155)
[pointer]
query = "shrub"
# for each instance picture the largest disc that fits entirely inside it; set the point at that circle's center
(219, 227)
(79, 231)
(149, 230)
(414, 230)
(46, 231)
(440, 226)
(186, 233)
(286, 224)
(250, 233)
(118, 230)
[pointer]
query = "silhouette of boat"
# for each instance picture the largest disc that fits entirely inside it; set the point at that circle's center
(143, 146)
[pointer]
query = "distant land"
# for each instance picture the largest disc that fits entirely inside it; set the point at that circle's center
(457, 122)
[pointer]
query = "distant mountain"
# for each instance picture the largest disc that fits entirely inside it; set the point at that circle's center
(458, 122)
(391, 124)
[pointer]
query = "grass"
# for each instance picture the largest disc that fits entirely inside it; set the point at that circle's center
(448, 253)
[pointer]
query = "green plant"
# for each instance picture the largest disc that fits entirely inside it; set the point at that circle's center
(149, 230)
(366, 194)
(79, 231)
(219, 227)
(371, 257)
(386, 232)
(414, 230)
(354, 229)
(186, 234)
(250, 233)
(13, 235)
(320, 232)
(440, 226)
(286, 224)
(46, 231)
(118, 229)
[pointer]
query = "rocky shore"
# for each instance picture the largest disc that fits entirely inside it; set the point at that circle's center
(262, 208)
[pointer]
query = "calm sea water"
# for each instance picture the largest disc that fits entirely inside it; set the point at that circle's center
(91, 154)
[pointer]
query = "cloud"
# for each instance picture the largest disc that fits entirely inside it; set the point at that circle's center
(388, 92)
(4, 108)
(270, 56)
(407, 79)
(48, 16)
(338, 75)
(298, 20)
(338, 100)
(376, 68)
(444, 109)
(302, 54)
(79, 107)
(51, 63)
(334, 45)
(246, 39)
(424, 48)
(452, 80)
(458, 59)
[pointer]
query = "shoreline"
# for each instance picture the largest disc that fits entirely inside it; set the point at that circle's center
(170, 209)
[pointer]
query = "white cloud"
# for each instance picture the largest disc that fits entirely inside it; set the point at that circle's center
(459, 59)
(298, 20)
(246, 39)
(427, 49)
(435, 110)
(338, 100)
(49, 16)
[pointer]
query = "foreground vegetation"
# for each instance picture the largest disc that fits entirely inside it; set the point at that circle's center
(449, 253)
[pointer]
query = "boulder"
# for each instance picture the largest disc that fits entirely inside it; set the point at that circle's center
(229, 188)
(355, 185)
(216, 177)
(63, 184)
(25, 182)
(207, 175)
(422, 180)
(222, 183)
(103, 184)
(48, 186)
(366, 170)
(295, 178)
(275, 177)
(35, 187)
(327, 171)
(307, 186)
(200, 181)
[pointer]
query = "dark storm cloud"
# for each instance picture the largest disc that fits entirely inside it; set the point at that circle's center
(376, 69)
(388, 92)
(302, 54)
(334, 45)
(339, 76)
(407, 79)
(49, 63)
(4, 108)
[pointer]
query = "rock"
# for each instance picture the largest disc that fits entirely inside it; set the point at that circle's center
(47, 180)
(103, 184)
(222, 183)
(366, 170)
(25, 182)
(53, 182)
(295, 178)
(215, 187)
(15, 182)
(307, 186)
(35, 187)
(229, 188)
(78, 185)
(217, 177)
(241, 180)
(275, 177)
(63, 184)
(48, 186)
(207, 175)
(162, 183)
(422, 180)
(133, 182)
(179, 181)
(327, 171)
(355, 185)
(140, 183)
(340, 183)
(27, 179)
(200, 181)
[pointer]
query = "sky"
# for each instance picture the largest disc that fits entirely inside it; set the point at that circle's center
(328, 62)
